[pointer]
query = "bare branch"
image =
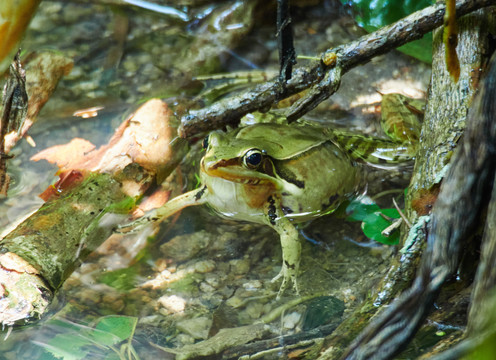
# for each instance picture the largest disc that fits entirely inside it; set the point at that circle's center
(228, 111)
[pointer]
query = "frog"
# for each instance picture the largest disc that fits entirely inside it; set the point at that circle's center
(280, 175)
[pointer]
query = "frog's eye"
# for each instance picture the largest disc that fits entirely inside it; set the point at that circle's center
(205, 143)
(252, 158)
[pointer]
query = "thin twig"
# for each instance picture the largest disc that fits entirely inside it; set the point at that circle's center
(287, 54)
(401, 214)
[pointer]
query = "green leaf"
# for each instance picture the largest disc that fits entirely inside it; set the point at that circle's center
(374, 14)
(67, 346)
(359, 209)
(77, 340)
(120, 327)
(378, 13)
(45, 355)
(374, 224)
(63, 325)
(419, 49)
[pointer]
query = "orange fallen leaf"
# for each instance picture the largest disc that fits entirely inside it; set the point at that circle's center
(144, 138)
(66, 156)
(155, 200)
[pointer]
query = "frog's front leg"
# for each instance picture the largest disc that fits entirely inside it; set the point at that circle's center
(191, 198)
(290, 244)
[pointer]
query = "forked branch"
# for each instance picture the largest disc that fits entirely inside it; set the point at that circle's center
(324, 77)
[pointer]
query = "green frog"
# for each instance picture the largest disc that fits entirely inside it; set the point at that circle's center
(279, 175)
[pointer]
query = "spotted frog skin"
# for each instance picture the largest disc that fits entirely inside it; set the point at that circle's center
(279, 175)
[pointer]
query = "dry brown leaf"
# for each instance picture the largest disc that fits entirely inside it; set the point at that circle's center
(43, 72)
(144, 139)
(66, 156)
(155, 200)
(67, 180)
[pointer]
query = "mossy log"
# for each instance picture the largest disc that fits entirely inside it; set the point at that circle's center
(41, 252)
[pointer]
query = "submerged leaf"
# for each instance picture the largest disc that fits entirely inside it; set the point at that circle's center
(67, 180)
(360, 208)
(374, 224)
(145, 139)
(43, 73)
(76, 341)
(119, 327)
(69, 346)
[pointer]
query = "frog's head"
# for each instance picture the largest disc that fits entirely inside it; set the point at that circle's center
(259, 154)
(237, 159)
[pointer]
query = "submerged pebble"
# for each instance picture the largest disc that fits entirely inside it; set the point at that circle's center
(196, 327)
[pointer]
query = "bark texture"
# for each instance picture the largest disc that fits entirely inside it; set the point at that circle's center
(461, 202)
(445, 119)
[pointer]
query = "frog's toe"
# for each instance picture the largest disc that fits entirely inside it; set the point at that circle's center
(287, 278)
(278, 276)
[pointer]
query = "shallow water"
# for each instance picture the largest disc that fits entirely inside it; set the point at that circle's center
(202, 274)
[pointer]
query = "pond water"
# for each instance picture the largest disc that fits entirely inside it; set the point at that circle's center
(135, 297)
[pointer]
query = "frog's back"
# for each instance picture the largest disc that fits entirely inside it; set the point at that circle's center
(269, 136)
(321, 178)
(316, 174)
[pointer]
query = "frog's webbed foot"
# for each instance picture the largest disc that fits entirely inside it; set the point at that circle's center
(288, 276)
(194, 197)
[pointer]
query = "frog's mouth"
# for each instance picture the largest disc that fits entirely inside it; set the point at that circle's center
(232, 170)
